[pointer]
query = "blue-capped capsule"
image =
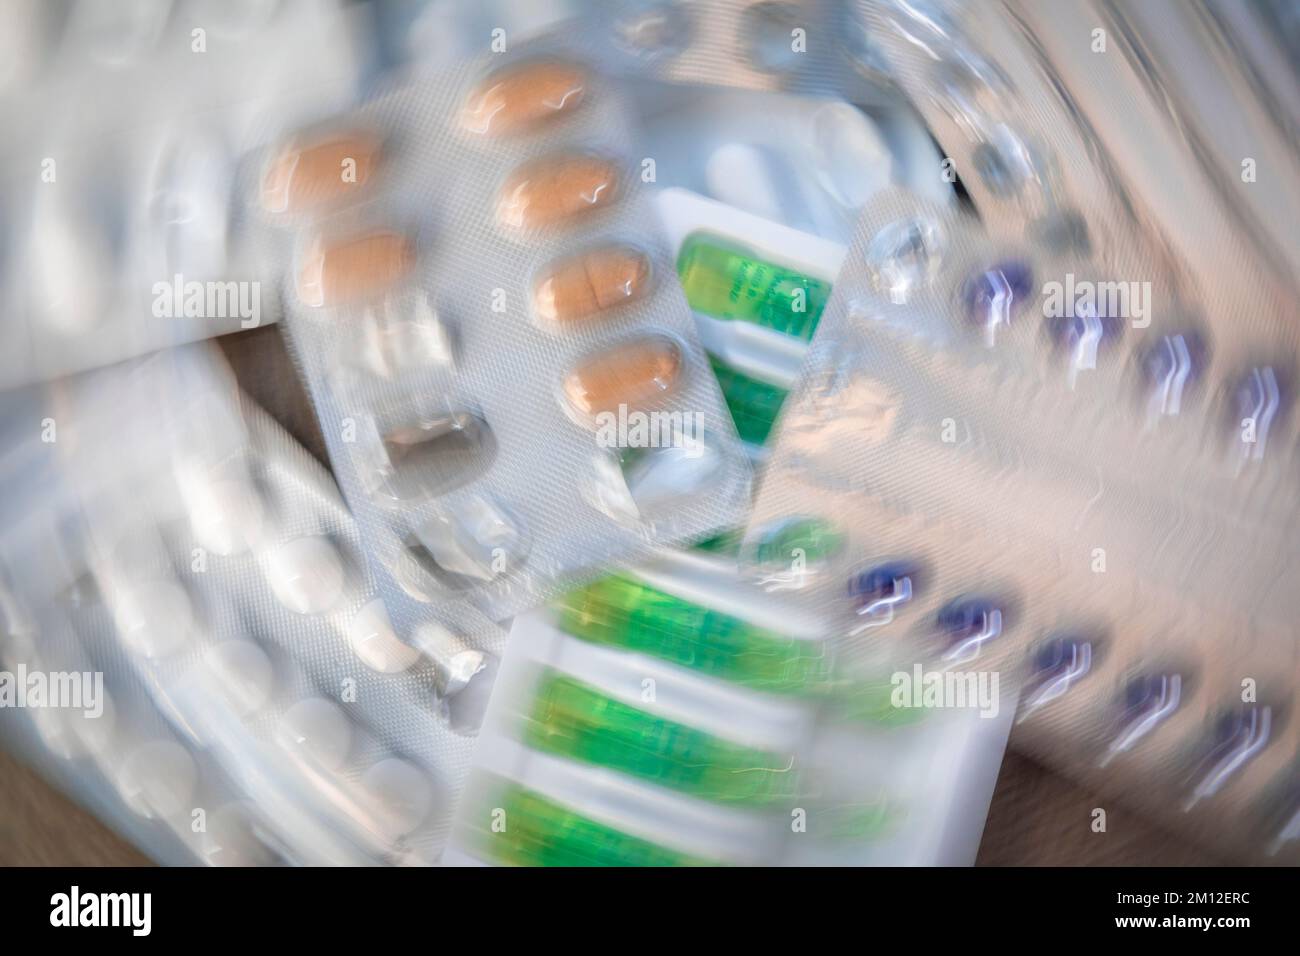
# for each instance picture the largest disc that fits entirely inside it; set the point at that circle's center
(967, 624)
(990, 298)
(879, 591)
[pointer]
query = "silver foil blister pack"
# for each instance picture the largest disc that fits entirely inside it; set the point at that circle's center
(1096, 505)
(520, 397)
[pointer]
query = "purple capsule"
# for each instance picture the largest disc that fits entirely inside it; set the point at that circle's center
(1083, 332)
(967, 624)
(1059, 664)
(1259, 402)
(1239, 737)
(1149, 700)
(991, 297)
(1171, 366)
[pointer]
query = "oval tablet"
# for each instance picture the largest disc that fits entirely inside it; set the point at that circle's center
(355, 268)
(551, 191)
(311, 174)
(634, 374)
(515, 98)
(583, 285)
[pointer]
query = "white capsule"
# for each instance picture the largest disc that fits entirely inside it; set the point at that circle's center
(241, 672)
(306, 574)
(317, 730)
(231, 838)
(155, 618)
(373, 640)
(399, 794)
(157, 779)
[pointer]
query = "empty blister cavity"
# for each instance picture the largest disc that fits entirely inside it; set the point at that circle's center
(340, 271)
(653, 31)
(586, 285)
(399, 334)
(904, 256)
(631, 376)
(478, 542)
(767, 35)
(306, 574)
(656, 477)
(432, 456)
(310, 173)
(241, 674)
(519, 98)
(465, 676)
(556, 190)
(158, 779)
(372, 638)
(317, 731)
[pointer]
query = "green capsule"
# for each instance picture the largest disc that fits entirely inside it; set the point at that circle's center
(572, 719)
(625, 613)
(541, 832)
(753, 403)
(726, 280)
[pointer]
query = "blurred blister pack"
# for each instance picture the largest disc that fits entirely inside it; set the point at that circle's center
(1034, 470)
(219, 571)
(121, 231)
(679, 715)
(509, 381)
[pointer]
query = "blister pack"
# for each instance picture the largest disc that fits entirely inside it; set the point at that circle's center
(1074, 129)
(225, 574)
(502, 364)
(1033, 469)
(121, 232)
(678, 715)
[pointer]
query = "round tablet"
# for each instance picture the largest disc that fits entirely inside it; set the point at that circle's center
(242, 674)
(306, 574)
(231, 839)
(155, 618)
(318, 730)
(157, 779)
(373, 640)
(399, 794)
